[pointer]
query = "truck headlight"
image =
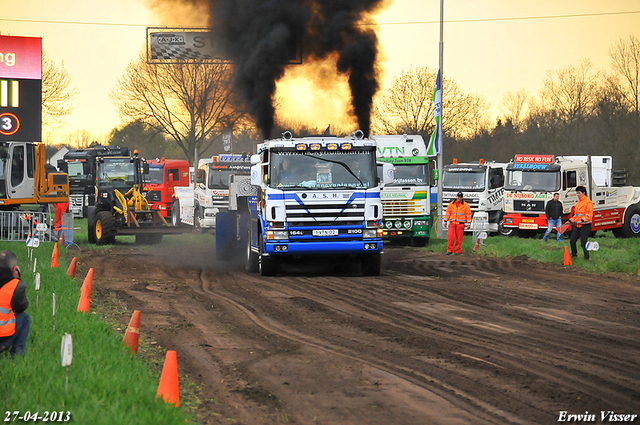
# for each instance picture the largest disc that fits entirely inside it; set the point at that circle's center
(372, 233)
(277, 234)
(407, 224)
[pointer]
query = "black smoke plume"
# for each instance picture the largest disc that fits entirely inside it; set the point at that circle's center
(260, 35)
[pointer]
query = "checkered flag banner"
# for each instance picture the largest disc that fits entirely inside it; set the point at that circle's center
(172, 45)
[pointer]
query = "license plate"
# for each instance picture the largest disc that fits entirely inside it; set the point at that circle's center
(325, 232)
(528, 220)
(528, 226)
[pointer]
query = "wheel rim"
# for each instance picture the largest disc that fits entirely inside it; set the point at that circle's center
(98, 229)
(635, 223)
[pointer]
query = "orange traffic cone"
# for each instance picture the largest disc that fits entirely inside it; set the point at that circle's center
(477, 245)
(54, 256)
(638, 270)
(567, 257)
(85, 293)
(71, 271)
(133, 332)
(168, 388)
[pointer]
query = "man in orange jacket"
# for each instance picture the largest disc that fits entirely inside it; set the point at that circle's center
(14, 322)
(581, 222)
(458, 216)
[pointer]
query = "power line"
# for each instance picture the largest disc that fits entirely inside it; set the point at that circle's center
(453, 21)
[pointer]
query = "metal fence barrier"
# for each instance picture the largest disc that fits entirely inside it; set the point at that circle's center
(20, 225)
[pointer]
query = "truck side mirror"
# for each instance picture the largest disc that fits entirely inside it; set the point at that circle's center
(145, 168)
(388, 174)
(256, 174)
(255, 159)
(62, 166)
(435, 174)
(200, 175)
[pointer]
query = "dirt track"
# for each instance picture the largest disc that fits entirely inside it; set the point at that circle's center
(434, 340)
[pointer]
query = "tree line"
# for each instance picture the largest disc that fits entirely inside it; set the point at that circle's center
(170, 110)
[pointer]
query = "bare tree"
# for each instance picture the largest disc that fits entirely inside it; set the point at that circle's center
(512, 107)
(190, 101)
(625, 60)
(407, 106)
(57, 93)
(570, 93)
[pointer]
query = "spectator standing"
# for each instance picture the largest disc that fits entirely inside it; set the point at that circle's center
(14, 322)
(458, 215)
(553, 211)
(581, 221)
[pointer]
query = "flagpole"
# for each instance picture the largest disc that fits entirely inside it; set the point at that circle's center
(440, 209)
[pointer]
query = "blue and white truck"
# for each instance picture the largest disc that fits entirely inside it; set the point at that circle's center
(313, 196)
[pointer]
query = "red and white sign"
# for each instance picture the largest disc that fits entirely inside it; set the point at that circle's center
(21, 57)
(535, 159)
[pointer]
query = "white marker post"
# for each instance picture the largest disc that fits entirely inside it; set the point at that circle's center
(37, 284)
(54, 312)
(35, 263)
(66, 354)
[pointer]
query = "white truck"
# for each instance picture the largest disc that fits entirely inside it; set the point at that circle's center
(197, 205)
(482, 185)
(406, 201)
(315, 197)
(533, 179)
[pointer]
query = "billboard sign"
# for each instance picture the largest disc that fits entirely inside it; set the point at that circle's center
(20, 88)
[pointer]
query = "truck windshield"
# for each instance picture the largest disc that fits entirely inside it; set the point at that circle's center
(323, 169)
(410, 175)
(155, 175)
(544, 181)
(463, 180)
(219, 178)
(117, 172)
(79, 170)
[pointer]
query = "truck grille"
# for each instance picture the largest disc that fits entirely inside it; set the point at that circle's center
(401, 207)
(474, 203)
(527, 205)
(324, 214)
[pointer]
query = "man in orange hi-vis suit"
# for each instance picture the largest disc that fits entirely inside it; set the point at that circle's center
(581, 221)
(459, 217)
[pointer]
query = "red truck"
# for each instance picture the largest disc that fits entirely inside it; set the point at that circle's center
(164, 175)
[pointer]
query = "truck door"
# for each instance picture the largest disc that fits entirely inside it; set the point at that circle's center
(20, 181)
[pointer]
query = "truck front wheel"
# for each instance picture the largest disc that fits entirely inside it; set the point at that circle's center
(175, 214)
(251, 257)
(631, 226)
(267, 266)
(505, 231)
(371, 265)
(105, 228)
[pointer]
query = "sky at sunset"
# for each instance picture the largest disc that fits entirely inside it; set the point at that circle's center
(490, 46)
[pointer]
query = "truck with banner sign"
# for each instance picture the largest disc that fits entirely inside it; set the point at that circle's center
(406, 201)
(532, 180)
(197, 204)
(482, 185)
(316, 197)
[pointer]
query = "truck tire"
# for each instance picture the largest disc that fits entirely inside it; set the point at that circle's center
(251, 257)
(197, 221)
(267, 266)
(91, 224)
(505, 231)
(370, 265)
(105, 228)
(175, 214)
(631, 225)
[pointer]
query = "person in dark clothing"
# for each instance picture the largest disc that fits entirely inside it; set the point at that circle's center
(553, 210)
(14, 322)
